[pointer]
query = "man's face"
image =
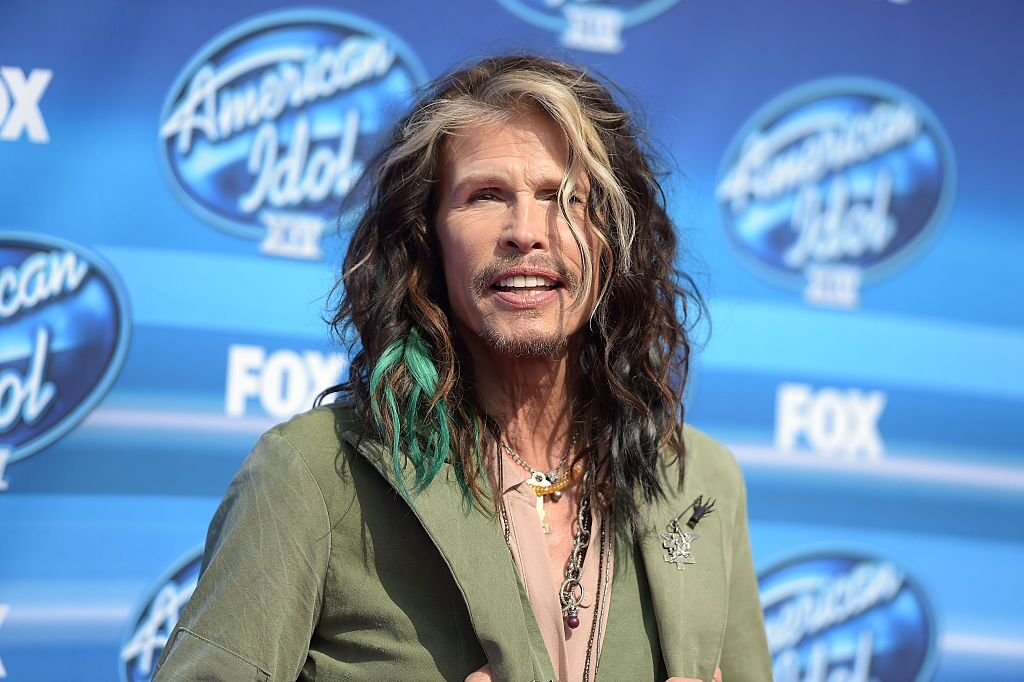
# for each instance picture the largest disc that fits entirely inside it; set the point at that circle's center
(510, 263)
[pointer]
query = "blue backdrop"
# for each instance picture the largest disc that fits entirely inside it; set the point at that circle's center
(844, 173)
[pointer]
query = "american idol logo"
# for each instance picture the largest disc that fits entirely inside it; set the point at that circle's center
(154, 620)
(840, 616)
(271, 124)
(594, 25)
(834, 183)
(65, 326)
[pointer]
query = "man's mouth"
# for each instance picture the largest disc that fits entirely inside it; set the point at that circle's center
(526, 285)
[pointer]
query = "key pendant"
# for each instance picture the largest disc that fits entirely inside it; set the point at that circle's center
(541, 514)
(538, 480)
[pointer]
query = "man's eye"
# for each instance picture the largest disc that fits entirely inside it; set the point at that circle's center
(553, 196)
(483, 195)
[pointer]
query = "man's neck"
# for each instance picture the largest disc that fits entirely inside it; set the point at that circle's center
(531, 399)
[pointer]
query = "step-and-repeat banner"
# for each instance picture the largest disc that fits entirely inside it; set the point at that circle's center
(845, 173)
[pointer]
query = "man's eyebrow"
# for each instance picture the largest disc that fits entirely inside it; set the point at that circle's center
(489, 179)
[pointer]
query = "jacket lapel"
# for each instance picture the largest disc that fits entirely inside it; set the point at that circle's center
(689, 604)
(473, 546)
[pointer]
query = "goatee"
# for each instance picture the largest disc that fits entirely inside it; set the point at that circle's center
(517, 347)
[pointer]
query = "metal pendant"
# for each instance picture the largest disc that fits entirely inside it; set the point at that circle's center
(542, 515)
(538, 480)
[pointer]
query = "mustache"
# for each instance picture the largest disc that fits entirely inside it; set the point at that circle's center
(483, 278)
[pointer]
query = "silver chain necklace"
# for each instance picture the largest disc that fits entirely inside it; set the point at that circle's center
(571, 593)
(539, 478)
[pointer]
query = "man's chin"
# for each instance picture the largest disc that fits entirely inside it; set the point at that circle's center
(525, 346)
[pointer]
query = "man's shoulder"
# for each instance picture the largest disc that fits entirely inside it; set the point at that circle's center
(708, 458)
(317, 437)
(709, 470)
(319, 428)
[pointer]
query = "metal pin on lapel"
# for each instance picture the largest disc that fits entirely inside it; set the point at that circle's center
(677, 543)
(700, 510)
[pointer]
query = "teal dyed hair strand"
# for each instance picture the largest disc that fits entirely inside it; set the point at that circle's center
(427, 437)
(388, 362)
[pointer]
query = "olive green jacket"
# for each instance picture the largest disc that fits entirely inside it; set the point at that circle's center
(316, 567)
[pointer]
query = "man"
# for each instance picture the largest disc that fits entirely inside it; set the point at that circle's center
(506, 490)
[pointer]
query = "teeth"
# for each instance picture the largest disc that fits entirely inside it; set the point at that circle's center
(525, 281)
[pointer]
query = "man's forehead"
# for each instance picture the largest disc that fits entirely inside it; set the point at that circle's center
(520, 128)
(531, 143)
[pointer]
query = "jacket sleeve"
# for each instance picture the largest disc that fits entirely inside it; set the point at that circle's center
(261, 584)
(745, 656)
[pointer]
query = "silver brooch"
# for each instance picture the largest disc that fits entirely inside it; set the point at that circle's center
(676, 541)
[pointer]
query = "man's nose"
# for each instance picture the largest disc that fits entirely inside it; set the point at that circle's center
(527, 227)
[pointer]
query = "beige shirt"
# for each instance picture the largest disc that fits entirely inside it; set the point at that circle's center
(567, 648)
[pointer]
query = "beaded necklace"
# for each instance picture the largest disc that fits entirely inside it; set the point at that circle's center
(550, 484)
